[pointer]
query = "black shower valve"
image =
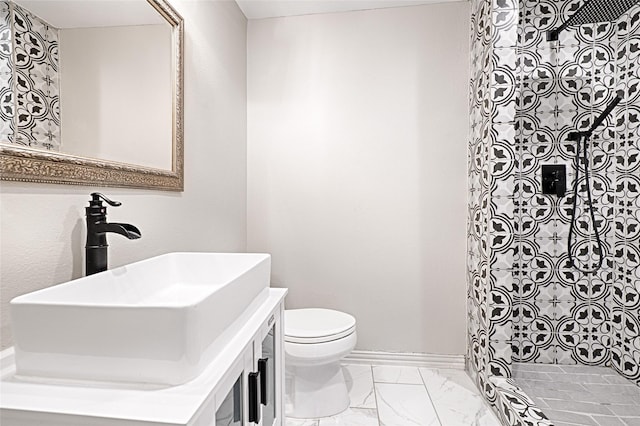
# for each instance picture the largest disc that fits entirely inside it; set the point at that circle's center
(554, 179)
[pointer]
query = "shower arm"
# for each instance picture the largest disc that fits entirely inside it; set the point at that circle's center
(554, 35)
(576, 136)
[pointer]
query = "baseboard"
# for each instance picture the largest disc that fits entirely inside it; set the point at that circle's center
(456, 362)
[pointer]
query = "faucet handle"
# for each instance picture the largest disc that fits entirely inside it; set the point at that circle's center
(96, 197)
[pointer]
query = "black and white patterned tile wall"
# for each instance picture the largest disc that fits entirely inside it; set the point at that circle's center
(625, 292)
(30, 91)
(525, 303)
(478, 168)
(490, 216)
(560, 314)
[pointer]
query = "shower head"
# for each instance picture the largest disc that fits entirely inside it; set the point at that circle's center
(593, 11)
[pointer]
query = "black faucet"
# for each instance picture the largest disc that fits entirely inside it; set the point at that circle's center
(97, 229)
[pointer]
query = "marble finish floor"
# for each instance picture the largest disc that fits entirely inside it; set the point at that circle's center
(580, 395)
(408, 396)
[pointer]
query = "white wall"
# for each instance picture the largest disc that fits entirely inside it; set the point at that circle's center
(357, 135)
(42, 227)
(128, 115)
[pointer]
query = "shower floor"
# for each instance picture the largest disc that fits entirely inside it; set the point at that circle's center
(579, 395)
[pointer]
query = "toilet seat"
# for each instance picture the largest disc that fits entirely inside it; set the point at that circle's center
(315, 325)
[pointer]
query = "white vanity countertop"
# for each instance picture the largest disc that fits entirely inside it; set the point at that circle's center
(173, 404)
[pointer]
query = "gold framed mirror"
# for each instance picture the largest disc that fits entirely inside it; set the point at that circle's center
(24, 158)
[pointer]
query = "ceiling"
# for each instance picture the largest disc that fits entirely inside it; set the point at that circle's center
(258, 9)
(97, 13)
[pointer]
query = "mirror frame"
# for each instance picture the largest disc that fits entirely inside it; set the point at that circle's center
(31, 165)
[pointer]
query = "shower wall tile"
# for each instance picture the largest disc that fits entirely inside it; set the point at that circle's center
(499, 358)
(515, 407)
(505, 27)
(563, 86)
(481, 107)
(534, 93)
(625, 315)
(525, 300)
(504, 4)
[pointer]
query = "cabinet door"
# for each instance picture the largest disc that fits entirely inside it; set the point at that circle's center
(231, 400)
(269, 362)
(267, 367)
(231, 410)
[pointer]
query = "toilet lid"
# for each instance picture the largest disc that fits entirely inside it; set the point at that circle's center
(315, 325)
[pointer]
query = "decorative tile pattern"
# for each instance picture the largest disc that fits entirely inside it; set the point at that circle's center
(515, 407)
(484, 75)
(562, 316)
(29, 71)
(525, 302)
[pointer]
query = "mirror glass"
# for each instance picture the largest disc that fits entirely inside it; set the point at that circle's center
(92, 80)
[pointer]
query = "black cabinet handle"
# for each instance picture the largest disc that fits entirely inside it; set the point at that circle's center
(263, 365)
(254, 397)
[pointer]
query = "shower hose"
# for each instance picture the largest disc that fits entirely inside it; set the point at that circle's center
(584, 139)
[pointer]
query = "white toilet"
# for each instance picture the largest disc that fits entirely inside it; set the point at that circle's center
(314, 343)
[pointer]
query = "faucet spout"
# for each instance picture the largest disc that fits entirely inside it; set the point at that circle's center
(124, 229)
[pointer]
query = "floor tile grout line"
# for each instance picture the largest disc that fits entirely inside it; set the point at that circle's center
(397, 382)
(417, 385)
(375, 396)
(435, 410)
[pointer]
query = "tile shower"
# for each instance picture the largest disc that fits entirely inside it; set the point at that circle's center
(525, 303)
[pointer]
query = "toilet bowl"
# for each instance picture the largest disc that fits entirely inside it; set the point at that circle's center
(314, 343)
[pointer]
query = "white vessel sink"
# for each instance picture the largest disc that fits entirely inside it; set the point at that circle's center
(156, 321)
